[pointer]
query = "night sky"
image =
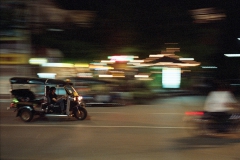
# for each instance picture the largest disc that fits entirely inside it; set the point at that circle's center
(158, 20)
(150, 24)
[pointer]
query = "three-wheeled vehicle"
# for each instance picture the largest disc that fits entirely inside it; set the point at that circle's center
(26, 103)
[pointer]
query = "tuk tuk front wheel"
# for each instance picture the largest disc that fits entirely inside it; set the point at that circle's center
(80, 113)
(26, 115)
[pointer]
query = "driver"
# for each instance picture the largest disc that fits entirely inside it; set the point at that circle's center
(54, 100)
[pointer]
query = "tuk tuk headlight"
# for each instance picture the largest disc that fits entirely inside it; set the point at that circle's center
(79, 98)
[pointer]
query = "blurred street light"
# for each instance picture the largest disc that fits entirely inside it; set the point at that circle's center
(37, 60)
(55, 30)
(209, 67)
(232, 55)
(186, 59)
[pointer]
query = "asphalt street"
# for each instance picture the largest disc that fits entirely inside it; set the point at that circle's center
(153, 131)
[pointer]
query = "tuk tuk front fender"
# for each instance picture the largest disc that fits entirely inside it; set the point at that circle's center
(24, 107)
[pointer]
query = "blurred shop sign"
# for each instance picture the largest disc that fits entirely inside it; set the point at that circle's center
(14, 58)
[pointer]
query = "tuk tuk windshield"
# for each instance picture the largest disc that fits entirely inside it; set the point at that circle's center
(71, 91)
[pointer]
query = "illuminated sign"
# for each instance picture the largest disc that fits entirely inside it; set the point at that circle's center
(171, 77)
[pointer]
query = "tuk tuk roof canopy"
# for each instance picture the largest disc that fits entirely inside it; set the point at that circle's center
(40, 81)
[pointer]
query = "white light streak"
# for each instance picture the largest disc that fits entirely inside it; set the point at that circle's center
(108, 61)
(211, 67)
(105, 75)
(156, 55)
(232, 55)
(57, 65)
(37, 60)
(186, 59)
(141, 76)
(47, 75)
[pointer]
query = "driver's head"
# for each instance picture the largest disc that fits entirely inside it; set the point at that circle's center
(52, 89)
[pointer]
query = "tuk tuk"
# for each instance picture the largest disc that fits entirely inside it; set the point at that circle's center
(30, 97)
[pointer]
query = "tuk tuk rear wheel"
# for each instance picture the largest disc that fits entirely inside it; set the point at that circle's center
(26, 115)
(80, 113)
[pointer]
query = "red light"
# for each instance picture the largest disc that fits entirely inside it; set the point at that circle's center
(195, 113)
(12, 105)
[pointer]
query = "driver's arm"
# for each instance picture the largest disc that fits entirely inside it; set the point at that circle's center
(54, 99)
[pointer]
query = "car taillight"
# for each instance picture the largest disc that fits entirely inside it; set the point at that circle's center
(194, 113)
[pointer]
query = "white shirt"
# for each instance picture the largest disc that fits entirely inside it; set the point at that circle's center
(217, 100)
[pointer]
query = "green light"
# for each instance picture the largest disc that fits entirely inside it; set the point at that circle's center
(15, 100)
